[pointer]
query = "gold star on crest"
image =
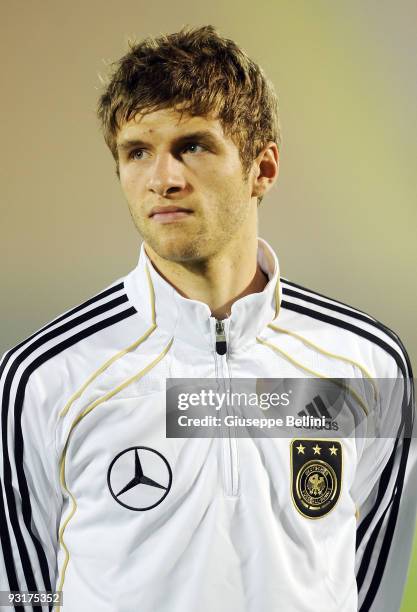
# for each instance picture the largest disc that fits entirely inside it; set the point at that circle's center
(316, 449)
(300, 449)
(333, 450)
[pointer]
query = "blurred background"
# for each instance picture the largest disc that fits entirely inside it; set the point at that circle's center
(342, 216)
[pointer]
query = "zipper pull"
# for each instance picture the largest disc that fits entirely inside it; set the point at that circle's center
(221, 346)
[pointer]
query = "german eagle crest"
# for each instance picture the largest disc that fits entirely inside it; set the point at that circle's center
(316, 475)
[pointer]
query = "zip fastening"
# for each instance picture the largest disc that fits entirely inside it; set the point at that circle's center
(229, 441)
(221, 344)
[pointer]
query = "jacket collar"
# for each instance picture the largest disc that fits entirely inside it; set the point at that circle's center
(158, 302)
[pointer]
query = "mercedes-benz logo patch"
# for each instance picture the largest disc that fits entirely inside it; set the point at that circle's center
(139, 478)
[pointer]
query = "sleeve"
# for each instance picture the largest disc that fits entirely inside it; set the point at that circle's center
(30, 500)
(385, 493)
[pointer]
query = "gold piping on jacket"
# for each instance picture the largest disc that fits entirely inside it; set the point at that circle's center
(329, 354)
(307, 369)
(108, 363)
(276, 297)
(80, 391)
(96, 403)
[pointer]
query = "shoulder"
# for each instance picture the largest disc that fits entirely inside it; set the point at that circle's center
(344, 328)
(70, 345)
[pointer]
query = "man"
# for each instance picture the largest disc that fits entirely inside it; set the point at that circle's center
(97, 500)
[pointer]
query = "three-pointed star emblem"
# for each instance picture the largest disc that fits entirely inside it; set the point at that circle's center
(139, 478)
(151, 481)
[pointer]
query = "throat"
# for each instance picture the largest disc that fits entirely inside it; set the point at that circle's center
(257, 285)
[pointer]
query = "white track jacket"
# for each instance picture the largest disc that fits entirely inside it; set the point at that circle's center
(98, 503)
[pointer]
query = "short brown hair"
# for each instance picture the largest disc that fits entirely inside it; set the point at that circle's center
(201, 72)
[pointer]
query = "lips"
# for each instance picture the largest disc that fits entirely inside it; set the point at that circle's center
(169, 214)
(162, 210)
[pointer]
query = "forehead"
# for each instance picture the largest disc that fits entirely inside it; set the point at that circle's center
(167, 124)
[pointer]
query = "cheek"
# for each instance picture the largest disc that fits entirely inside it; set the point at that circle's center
(128, 182)
(219, 184)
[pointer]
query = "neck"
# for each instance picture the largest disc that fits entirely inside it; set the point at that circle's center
(218, 281)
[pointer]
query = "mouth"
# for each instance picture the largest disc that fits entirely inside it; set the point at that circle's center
(169, 214)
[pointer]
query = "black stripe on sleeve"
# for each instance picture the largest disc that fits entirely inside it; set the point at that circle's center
(393, 507)
(320, 316)
(331, 304)
(405, 431)
(19, 446)
(62, 317)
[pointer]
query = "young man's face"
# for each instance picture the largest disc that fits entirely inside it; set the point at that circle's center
(201, 175)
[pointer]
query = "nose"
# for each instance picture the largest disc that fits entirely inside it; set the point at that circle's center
(166, 175)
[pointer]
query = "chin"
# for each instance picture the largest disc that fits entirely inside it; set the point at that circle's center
(179, 250)
(180, 254)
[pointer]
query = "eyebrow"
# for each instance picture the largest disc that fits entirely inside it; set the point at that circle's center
(204, 135)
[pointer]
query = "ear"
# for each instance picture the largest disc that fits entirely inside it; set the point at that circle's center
(266, 169)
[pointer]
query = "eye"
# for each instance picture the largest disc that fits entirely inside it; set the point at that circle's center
(193, 144)
(132, 154)
(137, 154)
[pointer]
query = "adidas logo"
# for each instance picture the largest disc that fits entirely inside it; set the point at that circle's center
(317, 412)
